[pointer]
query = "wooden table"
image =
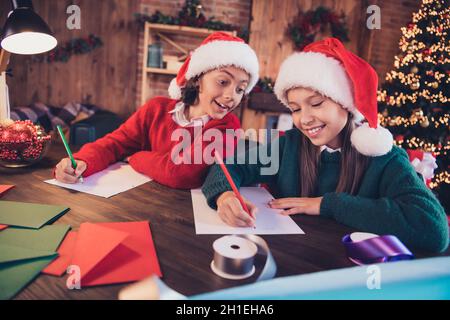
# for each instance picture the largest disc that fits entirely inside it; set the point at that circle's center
(184, 256)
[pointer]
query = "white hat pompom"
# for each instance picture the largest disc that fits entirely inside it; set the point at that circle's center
(372, 142)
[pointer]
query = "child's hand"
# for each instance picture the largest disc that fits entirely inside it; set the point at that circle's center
(309, 206)
(65, 173)
(232, 213)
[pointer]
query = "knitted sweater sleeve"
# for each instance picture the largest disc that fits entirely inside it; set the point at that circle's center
(179, 169)
(406, 208)
(117, 145)
(246, 169)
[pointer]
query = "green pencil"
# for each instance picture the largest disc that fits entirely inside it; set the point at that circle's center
(69, 152)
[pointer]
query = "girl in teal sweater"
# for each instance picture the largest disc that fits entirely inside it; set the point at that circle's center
(338, 162)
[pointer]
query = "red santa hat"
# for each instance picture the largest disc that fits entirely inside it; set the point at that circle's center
(328, 67)
(217, 50)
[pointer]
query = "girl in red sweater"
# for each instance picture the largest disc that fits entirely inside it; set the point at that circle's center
(209, 85)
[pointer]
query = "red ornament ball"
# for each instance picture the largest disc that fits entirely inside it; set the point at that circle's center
(399, 137)
(19, 127)
(6, 136)
(16, 137)
(24, 136)
(426, 52)
(17, 133)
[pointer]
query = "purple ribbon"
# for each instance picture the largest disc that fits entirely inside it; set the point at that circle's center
(375, 250)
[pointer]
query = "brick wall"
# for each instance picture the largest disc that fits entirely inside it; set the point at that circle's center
(394, 15)
(235, 12)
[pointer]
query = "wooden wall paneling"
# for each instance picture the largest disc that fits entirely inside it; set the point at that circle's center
(271, 19)
(105, 76)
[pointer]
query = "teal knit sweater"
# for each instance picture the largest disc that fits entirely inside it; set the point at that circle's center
(392, 198)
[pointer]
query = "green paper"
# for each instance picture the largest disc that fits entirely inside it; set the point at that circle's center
(29, 215)
(18, 264)
(14, 253)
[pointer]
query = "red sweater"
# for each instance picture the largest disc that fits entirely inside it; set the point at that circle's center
(146, 137)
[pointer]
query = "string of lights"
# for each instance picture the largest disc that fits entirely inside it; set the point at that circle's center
(414, 102)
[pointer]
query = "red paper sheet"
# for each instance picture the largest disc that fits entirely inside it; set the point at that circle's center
(4, 188)
(59, 266)
(109, 253)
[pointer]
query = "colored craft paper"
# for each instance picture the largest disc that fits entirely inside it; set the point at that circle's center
(24, 253)
(117, 178)
(59, 266)
(115, 252)
(29, 215)
(4, 188)
(268, 220)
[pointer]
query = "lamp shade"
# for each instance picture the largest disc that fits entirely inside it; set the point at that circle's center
(26, 33)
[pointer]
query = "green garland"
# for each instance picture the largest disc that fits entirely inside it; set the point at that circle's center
(63, 52)
(306, 26)
(264, 85)
(191, 15)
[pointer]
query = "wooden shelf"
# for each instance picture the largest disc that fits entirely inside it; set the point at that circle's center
(260, 106)
(151, 30)
(180, 29)
(266, 102)
(161, 71)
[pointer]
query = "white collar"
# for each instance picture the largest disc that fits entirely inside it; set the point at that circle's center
(180, 118)
(329, 150)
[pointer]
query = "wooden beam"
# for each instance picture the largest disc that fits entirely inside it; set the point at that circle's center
(172, 43)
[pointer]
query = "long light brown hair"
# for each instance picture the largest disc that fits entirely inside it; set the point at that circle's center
(353, 164)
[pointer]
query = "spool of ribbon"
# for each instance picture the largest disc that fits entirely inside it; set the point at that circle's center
(368, 248)
(235, 262)
(234, 257)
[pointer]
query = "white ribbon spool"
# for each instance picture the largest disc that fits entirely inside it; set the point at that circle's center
(234, 257)
(238, 251)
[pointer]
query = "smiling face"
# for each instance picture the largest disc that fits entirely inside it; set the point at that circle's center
(319, 118)
(221, 90)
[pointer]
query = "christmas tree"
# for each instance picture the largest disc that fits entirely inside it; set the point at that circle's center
(414, 101)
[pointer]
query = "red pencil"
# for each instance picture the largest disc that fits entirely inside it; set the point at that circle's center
(231, 182)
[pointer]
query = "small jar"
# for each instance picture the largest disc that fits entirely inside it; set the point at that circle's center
(155, 55)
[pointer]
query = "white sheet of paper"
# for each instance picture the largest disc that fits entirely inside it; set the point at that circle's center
(118, 177)
(268, 220)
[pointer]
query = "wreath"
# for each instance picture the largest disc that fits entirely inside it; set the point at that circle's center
(63, 52)
(265, 84)
(306, 26)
